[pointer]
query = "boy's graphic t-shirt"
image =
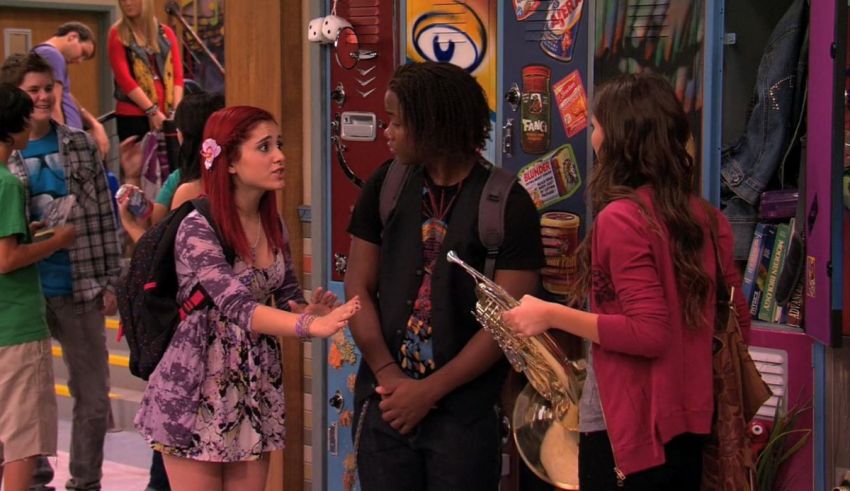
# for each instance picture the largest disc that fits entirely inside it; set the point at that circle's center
(22, 317)
(46, 175)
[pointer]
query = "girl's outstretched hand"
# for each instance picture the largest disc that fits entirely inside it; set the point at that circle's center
(529, 318)
(335, 320)
(321, 302)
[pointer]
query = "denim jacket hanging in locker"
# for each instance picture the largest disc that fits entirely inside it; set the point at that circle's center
(748, 165)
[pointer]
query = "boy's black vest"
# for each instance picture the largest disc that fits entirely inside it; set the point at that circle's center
(453, 290)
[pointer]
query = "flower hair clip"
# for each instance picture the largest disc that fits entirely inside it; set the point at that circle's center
(209, 151)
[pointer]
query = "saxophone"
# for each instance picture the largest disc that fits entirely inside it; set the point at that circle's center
(545, 417)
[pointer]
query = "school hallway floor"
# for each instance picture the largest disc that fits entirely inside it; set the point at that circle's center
(127, 459)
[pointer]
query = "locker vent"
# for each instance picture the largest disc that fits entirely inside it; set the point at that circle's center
(773, 366)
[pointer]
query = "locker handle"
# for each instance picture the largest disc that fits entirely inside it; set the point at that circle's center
(338, 94)
(513, 96)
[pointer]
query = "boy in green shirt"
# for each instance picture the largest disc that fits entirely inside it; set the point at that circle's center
(28, 410)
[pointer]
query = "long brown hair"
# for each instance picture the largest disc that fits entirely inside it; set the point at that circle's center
(646, 134)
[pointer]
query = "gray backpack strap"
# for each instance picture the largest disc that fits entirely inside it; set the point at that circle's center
(391, 189)
(491, 214)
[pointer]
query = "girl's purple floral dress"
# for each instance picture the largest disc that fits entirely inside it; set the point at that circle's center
(217, 393)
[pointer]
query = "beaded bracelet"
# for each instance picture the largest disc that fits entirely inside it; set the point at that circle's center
(302, 326)
(152, 110)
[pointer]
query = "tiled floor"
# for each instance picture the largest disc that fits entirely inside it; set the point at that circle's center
(126, 463)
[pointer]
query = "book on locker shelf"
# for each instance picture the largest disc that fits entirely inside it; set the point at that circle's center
(767, 309)
(794, 309)
(753, 259)
(760, 273)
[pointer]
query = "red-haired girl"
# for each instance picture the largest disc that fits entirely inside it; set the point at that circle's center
(214, 406)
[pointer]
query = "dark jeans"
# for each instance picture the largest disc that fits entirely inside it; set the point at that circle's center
(442, 454)
(682, 470)
(85, 355)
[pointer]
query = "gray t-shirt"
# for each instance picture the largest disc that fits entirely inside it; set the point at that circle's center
(60, 75)
(589, 406)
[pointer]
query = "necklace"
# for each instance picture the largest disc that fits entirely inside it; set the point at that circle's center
(257, 239)
(439, 210)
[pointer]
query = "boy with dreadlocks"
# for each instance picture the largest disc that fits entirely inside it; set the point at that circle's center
(430, 376)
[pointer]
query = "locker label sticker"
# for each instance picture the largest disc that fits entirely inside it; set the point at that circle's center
(551, 178)
(572, 102)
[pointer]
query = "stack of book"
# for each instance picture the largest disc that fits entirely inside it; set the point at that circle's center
(768, 257)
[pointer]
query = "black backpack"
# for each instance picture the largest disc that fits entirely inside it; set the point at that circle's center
(491, 207)
(147, 293)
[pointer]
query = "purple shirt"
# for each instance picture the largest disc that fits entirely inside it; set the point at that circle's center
(60, 75)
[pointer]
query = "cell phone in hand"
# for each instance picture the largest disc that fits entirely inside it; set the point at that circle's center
(42, 234)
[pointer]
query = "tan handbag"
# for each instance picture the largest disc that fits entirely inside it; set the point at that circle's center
(739, 392)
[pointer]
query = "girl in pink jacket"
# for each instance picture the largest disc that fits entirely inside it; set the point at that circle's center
(648, 266)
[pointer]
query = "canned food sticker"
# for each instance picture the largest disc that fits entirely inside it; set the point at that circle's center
(551, 178)
(572, 102)
(524, 8)
(560, 29)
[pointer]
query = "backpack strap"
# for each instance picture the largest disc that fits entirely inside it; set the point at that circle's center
(391, 188)
(491, 213)
(202, 204)
(198, 297)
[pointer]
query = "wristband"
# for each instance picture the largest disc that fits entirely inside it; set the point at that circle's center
(384, 366)
(302, 326)
(151, 111)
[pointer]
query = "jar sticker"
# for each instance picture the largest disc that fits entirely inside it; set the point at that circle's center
(572, 103)
(559, 231)
(535, 109)
(551, 178)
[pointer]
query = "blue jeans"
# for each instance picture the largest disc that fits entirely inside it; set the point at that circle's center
(748, 165)
(441, 454)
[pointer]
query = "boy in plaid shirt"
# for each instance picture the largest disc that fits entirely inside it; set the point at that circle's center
(78, 283)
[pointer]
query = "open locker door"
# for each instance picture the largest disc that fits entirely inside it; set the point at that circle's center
(823, 177)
